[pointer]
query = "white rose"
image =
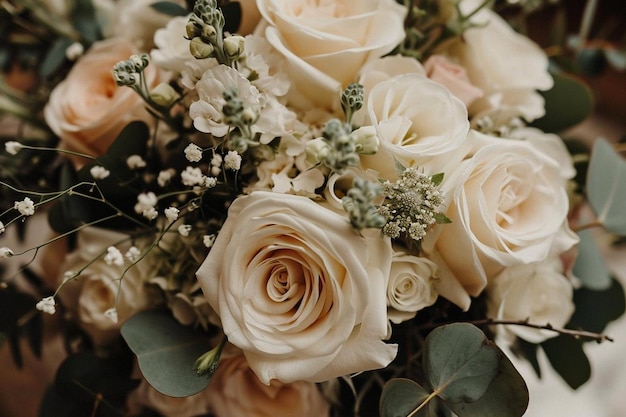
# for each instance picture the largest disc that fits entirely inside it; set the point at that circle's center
(506, 66)
(418, 123)
(537, 292)
(98, 288)
(326, 43)
(508, 206)
(410, 287)
(291, 297)
(453, 77)
(87, 110)
(236, 391)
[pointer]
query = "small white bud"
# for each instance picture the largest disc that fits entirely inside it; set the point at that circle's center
(208, 240)
(172, 213)
(46, 305)
(232, 161)
(132, 254)
(199, 49)
(114, 256)
(2, 228)
(210, 182)
(150, 213)
(74, 51)
(99, 173)
(234, 46)
(12, 147)
(193, 152)
(26, 207)
(366, 140)
(184, 229)
(165, 177)
(111, 314)
(164, 95)
(6, 252)
(135, 162)
(316, 150)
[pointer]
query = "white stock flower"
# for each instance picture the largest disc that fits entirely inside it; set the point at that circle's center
(418, 123)
(291, 297)
(99, 172)
(326, 43)
(12, 147)
(410, 286)
(508, 206)
(165, 177)
(26, 207)
(193, 153)
(537, 292)
(210, 182)
(172, 48)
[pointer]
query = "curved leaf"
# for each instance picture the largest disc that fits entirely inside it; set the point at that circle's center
(568, 103)
(507, 395)
(400, 397)
(567, 357)
(589, 266)
(460, 362)
(606, 187)
(167, 352)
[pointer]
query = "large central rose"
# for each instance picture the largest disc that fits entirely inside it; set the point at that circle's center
(298, 290)
(327, 42)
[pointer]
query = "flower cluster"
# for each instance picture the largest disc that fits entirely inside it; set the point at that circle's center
(304, 203)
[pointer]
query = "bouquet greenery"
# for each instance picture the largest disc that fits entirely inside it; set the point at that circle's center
(288, 207)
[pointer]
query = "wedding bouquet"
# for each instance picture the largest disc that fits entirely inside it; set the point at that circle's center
(297, 208)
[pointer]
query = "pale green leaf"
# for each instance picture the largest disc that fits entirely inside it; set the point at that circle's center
(606, 187)
(437, 178)
(460, 362)
(590, 267)
(167, 352)
(169, 8)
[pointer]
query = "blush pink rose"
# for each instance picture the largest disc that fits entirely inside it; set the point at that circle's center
(454, 77)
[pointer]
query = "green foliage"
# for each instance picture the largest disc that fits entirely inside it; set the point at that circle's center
(590, 267)
(86, 385)
(232, 16)
(567, 357)
(466, 372)
(84, 20)
(606, 187)
(19, 318)
(169, 8)
(568, 103)
(54, 58)
(167, 352)
(595, 309)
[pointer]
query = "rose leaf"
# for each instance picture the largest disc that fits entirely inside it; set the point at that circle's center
(567, 357)
(606, 187)
(169, 8)
(167, 352)
(460, 362)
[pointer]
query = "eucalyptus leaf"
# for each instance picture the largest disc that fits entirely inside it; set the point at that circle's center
(460, 362)
(506, 396)
(568, 103)
(167, 352)
(595, 309)
(590, 267)
(567, 357)
(55, 57)
(169, 8)
(606, 187)
(400, 397)
(85, 21)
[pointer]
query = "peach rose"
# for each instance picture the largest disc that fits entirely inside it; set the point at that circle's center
(236, 391)
(88, 110)
(454, 77)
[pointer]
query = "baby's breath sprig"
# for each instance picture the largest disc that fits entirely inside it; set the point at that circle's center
(412, 204)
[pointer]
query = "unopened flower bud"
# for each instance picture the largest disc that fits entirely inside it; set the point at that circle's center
(317, 150)
(199, 49)
(234, 46)
(366, 140)
(164, 95)
(209, 33)
(192, 30)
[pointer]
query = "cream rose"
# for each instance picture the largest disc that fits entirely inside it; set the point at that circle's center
(87, 110)
(506, 66)
(418, 122)
(98, 288)
(410, 287)
(236, 391)
(326, 43)
(508, 206)
(537, 292)
(291, 297)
